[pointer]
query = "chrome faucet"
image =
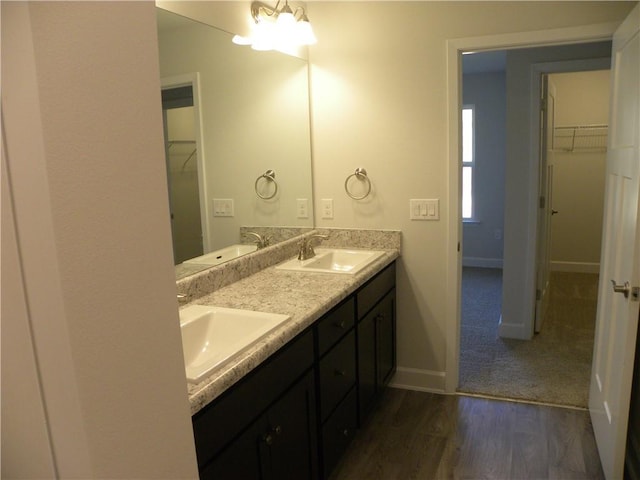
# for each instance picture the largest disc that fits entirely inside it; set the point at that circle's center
(306, 248)
(261, 241)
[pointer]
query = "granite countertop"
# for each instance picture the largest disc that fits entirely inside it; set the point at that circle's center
(304, 296)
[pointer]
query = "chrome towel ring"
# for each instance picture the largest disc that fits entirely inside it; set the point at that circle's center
(269, 176)
(360, 174)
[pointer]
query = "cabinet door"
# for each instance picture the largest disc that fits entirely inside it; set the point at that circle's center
(376, 352)
(229, 415)
(292, 434)
(281, 444)
(241, 459)
(386, 339)
(366, 363)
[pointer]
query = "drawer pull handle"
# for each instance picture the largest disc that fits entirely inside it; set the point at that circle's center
(340, 373)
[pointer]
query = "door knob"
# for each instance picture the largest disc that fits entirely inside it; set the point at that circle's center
(624, 289)
(553, 212)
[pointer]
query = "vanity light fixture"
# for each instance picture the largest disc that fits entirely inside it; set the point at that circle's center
(278, 28)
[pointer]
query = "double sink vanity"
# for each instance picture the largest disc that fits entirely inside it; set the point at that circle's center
(284, 358)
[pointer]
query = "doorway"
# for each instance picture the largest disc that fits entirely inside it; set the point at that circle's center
(181, 154)
(552, 367)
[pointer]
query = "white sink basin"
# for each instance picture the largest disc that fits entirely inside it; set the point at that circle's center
(222, 255)
(333, 260)
(212, 336)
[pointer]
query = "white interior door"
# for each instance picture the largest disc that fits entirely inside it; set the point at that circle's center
(617, 317)
(543, 256)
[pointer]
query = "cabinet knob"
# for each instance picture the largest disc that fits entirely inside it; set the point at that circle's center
(340, 324)
(267, 438)
(340, 373)
(345, 432)
(277, 430)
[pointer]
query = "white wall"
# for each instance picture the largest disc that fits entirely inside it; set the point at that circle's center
(482, 239)
(579, 176)
(83, 131)
(379, 101)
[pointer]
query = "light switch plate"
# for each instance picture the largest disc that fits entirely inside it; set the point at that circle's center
(424, 209)
(302, 208)
(223, 207)
(327, 208)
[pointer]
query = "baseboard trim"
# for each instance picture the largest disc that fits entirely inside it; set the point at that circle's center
(418, 380)
(575, 267)
(482, 262)
(513, 330)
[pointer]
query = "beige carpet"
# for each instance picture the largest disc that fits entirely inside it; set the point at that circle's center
(554, 367)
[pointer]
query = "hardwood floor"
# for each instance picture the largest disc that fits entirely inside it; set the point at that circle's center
(416, 435)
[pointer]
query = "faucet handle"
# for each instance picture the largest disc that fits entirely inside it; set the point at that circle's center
(261, 241)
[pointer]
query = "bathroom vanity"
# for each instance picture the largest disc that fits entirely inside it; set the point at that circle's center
(293, 414)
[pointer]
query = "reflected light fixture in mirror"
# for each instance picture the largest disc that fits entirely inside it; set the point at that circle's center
(278, 28)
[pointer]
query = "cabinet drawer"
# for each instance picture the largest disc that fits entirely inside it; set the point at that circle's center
(335, 324)
(338, 431)
(377, 287)
(337, 373)
(221, 421)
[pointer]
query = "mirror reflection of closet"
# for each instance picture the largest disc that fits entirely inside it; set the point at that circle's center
(182, 172)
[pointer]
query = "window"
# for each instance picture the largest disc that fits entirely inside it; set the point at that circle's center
(468, 161)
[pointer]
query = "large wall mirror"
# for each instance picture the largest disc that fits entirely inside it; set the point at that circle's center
(231, 115)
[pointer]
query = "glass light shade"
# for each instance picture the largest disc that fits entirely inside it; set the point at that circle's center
(285, 29)
(263, 36)
(240, 40)
(286, 19)
(305, 33)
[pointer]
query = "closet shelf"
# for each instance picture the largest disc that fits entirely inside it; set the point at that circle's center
(580, 138)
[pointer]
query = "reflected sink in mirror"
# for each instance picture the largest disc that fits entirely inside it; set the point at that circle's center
(213, 336)
(333, 260)
(222, 255)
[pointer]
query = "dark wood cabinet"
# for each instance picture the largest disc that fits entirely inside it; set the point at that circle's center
(338, 431)
(280, 444)
(292, 425)
(386, 339)
(337, 373)
(376, 329)
(294, 416)
(367, 378)
(265, 419)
